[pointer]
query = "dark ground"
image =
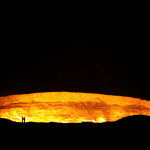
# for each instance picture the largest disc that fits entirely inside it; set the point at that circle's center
(127, 133)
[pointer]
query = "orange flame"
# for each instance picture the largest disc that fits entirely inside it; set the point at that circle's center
(70, 107)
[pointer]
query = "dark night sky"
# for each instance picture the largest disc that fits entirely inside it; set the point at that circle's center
(81, 49)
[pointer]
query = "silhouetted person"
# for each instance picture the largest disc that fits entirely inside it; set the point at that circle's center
(23, 119)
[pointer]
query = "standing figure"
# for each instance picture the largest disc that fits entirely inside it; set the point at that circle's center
(23, 119)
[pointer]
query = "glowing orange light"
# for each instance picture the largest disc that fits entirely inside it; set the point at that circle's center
(67, 107)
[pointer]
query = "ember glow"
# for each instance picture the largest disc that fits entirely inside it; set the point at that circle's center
(71, 107)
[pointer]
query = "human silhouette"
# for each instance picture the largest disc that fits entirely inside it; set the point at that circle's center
(23, 119)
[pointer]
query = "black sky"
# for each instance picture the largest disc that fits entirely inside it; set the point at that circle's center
(97, 49)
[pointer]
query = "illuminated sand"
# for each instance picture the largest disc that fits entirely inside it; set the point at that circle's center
(71, 107)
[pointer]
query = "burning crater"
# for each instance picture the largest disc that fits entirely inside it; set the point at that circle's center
(71, 107)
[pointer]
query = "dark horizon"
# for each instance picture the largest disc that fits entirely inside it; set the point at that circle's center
(93, 50)
(129, 132)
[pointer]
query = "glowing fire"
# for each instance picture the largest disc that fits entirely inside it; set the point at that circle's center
(69, 107)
